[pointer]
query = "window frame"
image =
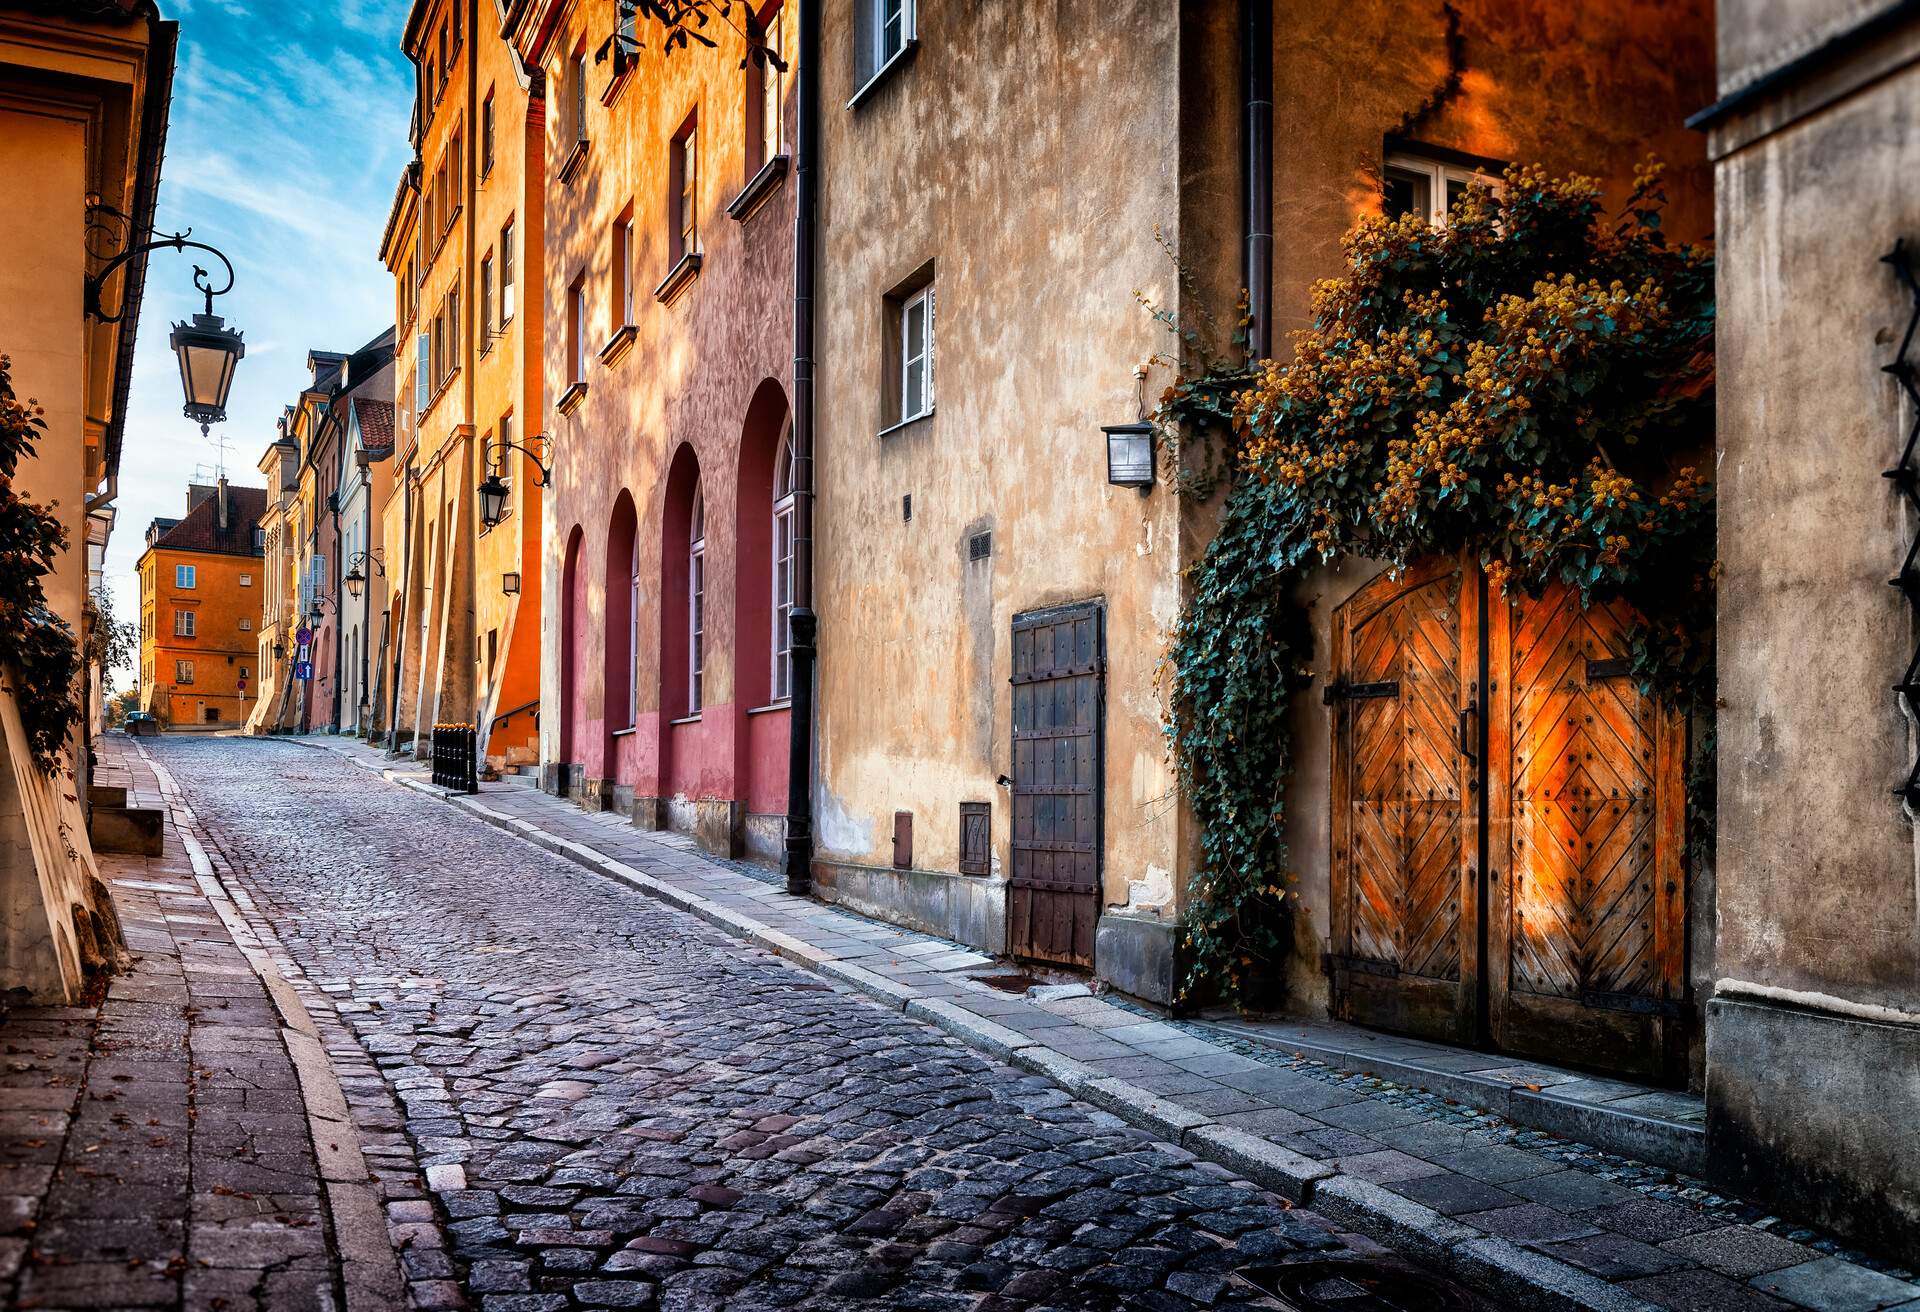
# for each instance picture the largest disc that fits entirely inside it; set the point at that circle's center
(487, 124)
(781, 678)
(507, 294)
(1437, 176)
(183, 671)
(186, 578)
(922, 297)
(184, 624)
(696, 601)
(576, 330)
(684, 200)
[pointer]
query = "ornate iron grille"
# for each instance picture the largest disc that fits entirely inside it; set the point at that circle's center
(1906, 480)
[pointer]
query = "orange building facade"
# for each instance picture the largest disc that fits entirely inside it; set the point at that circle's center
(463, 240)
(201, 580)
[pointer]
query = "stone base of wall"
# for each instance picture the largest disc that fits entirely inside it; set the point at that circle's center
(766, 838)
(1139, 956)
(595, 794)
(1814, 1111)
(648, 813)
(964, 908)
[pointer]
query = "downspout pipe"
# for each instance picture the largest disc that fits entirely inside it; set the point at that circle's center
(803, 622)
(1256, 58)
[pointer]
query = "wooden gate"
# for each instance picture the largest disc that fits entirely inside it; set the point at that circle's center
(1505, 736)
(1059, 671)
(1586, 835)
(1405, 812)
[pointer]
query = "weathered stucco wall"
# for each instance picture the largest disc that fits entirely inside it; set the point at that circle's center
(1027, 153)
(701, 391)
(1814, 1040)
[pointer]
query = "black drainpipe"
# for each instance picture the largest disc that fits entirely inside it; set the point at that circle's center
(1256, 58)
(803, 623)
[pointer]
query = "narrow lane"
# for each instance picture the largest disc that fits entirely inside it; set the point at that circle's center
(619, 1107)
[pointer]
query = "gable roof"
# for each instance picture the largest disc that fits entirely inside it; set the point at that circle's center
(376, 425)
(200, 530)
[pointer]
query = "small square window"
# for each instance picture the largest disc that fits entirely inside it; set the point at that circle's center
(246, 580)
(183, 671)
(183, 624)
(185, 576)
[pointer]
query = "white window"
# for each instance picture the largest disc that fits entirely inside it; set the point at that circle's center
(577, 332)
(185, 576)
(782, 567)
(577, 80)
(892, 29)
(633, 634)
(623, 271)
(769, 99)
(246, 580)
(422, 372)
(183, 624)
(1427, 187)
(916, 355)
(486, 303)
(246, 625)
(696, 602)
(686, 180)
(506, 273)
(183, 671)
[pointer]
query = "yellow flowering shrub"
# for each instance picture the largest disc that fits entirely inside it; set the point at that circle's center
(1531, 382)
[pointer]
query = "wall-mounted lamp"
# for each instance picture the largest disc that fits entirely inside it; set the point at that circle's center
(1130, 455)
(493, 489)
(510, 582)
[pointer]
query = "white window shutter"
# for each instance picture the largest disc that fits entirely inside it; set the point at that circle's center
(931, 336)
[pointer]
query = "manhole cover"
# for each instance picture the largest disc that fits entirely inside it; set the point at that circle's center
(1359, 1285)
(1007, 983)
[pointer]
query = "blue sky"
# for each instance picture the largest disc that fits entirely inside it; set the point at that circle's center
(288, 134)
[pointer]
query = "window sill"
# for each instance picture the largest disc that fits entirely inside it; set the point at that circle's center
(434, 398)
(623, 66)
(759, 187)
(627, 732)
(784, 704)
(885, 71)
(891, 429)
(571, 398)
(686, 719)
(570, 166)
(678, 278)
(618, 344)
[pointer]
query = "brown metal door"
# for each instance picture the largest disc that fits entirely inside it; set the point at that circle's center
(1059, 666)
(1405, 802)
(1586, 826)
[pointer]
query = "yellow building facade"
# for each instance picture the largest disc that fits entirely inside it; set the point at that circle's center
(200, 586)
(462, 241)
(84, 94)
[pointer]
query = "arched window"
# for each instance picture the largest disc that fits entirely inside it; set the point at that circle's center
(696, 601)
(782, 566)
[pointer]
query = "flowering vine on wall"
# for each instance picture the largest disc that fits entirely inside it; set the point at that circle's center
(1529, 383)
(37, 647)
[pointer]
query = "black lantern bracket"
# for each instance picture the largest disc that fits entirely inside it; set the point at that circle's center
(179, 241)
(538, 448)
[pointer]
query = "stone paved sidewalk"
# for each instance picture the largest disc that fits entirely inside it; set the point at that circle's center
(167, 1146)
(1545, 1220)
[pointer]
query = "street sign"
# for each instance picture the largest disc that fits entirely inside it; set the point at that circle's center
(303, 669)
(303, 635)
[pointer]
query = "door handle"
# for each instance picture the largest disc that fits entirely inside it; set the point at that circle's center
(1471, 709)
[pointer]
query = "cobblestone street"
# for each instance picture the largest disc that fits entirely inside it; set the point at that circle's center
(584, 1098)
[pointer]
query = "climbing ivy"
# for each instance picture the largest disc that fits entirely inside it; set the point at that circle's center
(1528, 383)
(37, 647)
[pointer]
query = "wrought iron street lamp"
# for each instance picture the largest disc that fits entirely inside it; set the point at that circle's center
(494, 490)
(207, 349)
(354, 579)
(279, 651)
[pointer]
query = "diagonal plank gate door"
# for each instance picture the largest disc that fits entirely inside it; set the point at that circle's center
(1507, 825)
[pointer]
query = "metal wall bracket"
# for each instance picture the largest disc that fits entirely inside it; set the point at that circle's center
(1905, 478)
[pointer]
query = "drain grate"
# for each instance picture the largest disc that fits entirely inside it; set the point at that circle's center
(1359, 1285)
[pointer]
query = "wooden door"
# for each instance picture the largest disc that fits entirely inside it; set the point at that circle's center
(1059, 671)
(1586, 830)
(1406, 819)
